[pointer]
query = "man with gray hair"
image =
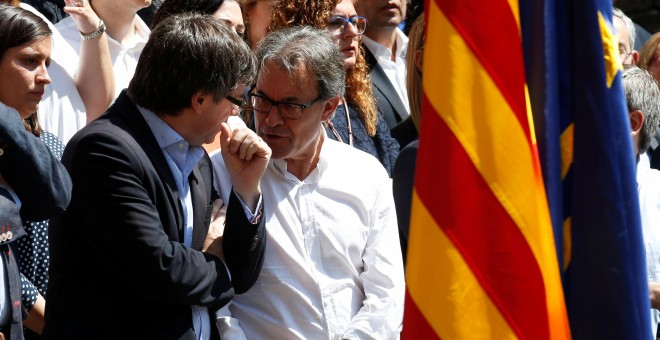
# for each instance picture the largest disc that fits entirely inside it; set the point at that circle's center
(333, 267)
(625, 31)
(643, 99)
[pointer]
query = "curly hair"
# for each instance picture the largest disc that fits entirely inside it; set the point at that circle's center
(316, 13)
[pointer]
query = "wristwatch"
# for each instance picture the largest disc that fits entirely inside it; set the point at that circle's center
(96, 33)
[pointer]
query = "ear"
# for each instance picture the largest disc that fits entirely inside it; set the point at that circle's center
(329, 108)
(635, 57)
(419, 59)
(636, 121)
(198, 101)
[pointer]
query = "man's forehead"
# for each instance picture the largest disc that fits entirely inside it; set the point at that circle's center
(620, 29)
(296, 79)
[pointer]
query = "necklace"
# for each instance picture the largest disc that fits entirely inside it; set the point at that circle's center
(329, 124)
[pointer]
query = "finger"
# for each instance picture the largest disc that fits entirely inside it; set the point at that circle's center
(238, 139)
(246, 146)
(225, 138)
(72, 4)
(254, 147)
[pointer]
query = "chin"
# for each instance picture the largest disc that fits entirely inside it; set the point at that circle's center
(27, 112)
(349, 63)
(280, 153)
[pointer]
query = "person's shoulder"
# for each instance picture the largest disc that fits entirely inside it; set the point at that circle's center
(651, 177)
(65, 24)
(356, 163)
(69, 31)
(411, 147)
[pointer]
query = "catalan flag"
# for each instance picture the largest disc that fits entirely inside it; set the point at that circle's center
(482, 261)
(574, 76)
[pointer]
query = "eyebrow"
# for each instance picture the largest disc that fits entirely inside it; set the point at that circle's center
(36, 55)
(290, 100)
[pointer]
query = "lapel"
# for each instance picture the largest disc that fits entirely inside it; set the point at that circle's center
(383, 85)
(145, 138)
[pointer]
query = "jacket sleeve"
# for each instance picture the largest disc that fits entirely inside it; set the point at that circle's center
(39, 180)
(125, 225)
(244, 244)
(387, 144)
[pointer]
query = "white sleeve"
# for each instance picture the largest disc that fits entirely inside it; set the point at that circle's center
(229, 327)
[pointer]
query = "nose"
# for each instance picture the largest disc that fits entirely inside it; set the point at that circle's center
(273, 117)
(42, 75)
(350, 30)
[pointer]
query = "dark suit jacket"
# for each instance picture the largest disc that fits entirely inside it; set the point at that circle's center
(38, 178)
(118, 266)
(403, 177)
(44, 188)
(389, 103)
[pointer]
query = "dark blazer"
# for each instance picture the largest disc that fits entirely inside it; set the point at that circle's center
(44, 188)
(38, 178)
(403, 177)
(119, 269)
(389, 103)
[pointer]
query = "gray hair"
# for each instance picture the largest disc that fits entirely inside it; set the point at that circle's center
(629, 26)
(642, 93)
(308, 49)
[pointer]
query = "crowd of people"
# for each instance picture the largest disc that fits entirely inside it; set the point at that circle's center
(219, 151)
(238, 169)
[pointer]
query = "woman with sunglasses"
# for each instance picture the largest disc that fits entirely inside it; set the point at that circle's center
(356, 121)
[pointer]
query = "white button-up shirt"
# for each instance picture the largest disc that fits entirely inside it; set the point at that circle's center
(124, 55)
(648, 185)
(395, 70)
(333, 266)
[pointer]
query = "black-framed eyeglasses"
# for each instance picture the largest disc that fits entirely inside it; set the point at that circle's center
(288, 110)
(235, 101)
(337, 24)
(242, 104)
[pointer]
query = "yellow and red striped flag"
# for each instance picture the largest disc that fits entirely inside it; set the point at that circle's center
(481, 259)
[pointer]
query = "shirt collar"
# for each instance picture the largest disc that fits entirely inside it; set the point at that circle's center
(138, 41)
(183, 154)
(280, 166)
(379, 50)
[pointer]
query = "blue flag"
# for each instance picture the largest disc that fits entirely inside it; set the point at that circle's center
(574, 76)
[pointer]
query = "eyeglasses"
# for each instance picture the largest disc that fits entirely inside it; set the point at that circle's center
(240, 103)
(624, 54)
(337, 25)
(290, 111)
(235, 101)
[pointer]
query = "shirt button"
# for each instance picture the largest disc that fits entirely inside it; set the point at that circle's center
(180, 145)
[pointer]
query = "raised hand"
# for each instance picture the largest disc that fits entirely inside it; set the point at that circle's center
(246, 156)
(83, 15)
